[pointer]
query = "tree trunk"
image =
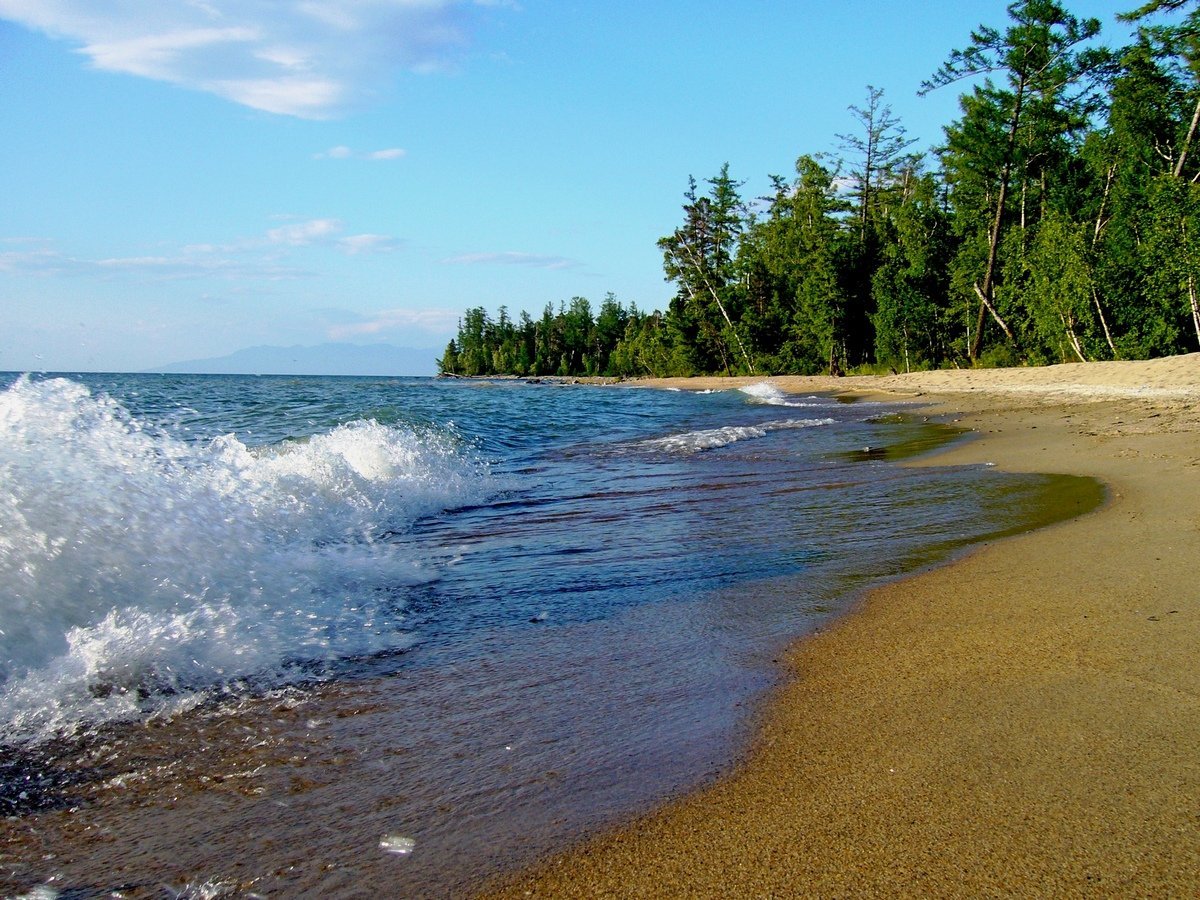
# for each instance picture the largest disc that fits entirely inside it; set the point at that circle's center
(1104, 323)
(1112, 172)
(721, 306)
(986, 304)
(989, 272)
(1187, 141)
(1195, 305)
(1072, 337)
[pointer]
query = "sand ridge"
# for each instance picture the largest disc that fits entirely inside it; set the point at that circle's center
(1022, 722)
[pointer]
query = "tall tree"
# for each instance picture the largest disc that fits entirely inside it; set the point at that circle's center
(876, 150)
(699, 257)
(910, 284)
(1042, 70)
(1181, 39)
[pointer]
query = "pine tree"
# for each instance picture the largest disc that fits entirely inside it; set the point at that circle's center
(1001, 151)
(699, 257)
(911, 282)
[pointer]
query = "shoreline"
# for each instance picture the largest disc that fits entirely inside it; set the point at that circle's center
(1021, 720)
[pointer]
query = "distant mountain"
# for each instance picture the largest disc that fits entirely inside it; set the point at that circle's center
(323, 359)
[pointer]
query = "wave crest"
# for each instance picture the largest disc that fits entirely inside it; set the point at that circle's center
(136, 567)
(714, 438)
(766, 393)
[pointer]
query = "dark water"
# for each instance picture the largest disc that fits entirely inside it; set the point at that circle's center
(342, 636)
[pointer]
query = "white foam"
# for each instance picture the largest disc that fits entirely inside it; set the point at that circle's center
(397, 844)
(766, 393)
(714, 438)
(137, 570)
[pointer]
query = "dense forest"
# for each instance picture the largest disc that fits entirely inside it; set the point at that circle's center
(1058, 220)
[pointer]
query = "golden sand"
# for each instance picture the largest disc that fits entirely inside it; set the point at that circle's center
(1022, 722)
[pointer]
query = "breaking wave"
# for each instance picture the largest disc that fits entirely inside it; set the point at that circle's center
(139, 572)
(768, 394)
(714, 438)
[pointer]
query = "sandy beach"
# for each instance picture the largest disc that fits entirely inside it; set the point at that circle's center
(1021, 722)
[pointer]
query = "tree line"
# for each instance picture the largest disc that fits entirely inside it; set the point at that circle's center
(1058, 220)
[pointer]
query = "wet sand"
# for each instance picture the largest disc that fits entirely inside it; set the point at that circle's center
(1021, 722)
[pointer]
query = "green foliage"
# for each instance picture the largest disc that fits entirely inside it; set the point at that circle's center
(1060, 290)
(1059, 220)
(699, 257)
(569, 342)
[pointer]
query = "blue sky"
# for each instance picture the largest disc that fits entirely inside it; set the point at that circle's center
(185, 178)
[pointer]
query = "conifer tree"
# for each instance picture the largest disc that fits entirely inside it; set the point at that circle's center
(1004, 142)
(877, 151)
(699, 257)
(911, 282)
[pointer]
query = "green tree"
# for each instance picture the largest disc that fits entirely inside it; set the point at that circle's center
(911, 282)
(1060, 291)
(793, 260)
(699, 257)
(877, 152)
(1172, 261)
(1002, 152)
(450, 364)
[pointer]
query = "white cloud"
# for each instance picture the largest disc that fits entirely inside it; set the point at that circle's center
(339, 152)
(532, 260)
(312, 59)
(435, 321)
(40, 261)
(343, 152)
(389, 153)
(269, 256)
(305, 98)
(191, 262)
(314, 231)
(328, 232)
(367, 243)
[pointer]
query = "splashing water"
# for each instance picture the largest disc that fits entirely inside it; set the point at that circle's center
(715, 438)
(139, 570)
(768, 394)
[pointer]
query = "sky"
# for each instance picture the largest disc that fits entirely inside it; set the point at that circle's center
(181, 179)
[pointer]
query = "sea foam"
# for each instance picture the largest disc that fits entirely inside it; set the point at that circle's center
(714, 438)
(766, 393)
(139, 571)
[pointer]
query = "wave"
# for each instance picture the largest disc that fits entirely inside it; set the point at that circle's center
(138, 571)
(766, 393)
(714, 438)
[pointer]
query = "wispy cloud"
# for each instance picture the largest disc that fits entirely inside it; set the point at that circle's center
(328, 233)
(533, 260)
(268, 256)
(30, 256)
(187, 264)
(343, 152)
(434, 321)
(299, 234)
(307, 58)
(335, 153)
(389, 153)
(367, 243)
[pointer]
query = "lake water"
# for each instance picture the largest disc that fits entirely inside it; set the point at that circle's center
(341, 636)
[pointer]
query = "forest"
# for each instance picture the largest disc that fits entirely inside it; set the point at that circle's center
(1058, 220)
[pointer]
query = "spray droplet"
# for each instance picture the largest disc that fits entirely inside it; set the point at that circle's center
(397, 843)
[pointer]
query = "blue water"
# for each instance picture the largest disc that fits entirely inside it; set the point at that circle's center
(523, 579)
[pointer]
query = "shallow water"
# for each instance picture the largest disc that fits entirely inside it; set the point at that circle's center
(313, 635)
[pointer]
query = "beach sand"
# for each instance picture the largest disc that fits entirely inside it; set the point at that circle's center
(1022, 722)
